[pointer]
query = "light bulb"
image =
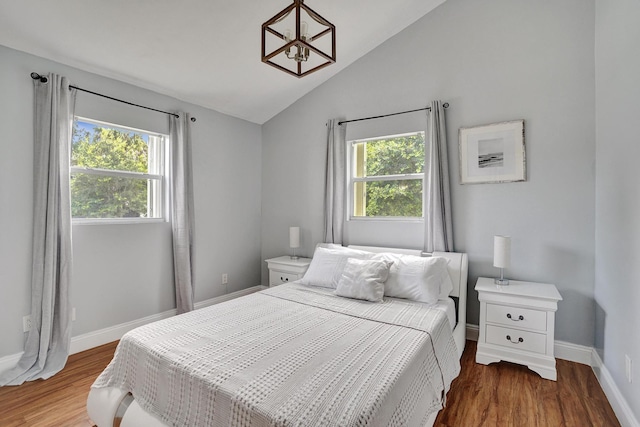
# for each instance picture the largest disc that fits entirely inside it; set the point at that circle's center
(287, 35)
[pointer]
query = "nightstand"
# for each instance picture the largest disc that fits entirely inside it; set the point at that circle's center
(517, 324)
(284, 269)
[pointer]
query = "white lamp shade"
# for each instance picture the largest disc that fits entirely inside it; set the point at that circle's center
(294, 237)
(502, 251)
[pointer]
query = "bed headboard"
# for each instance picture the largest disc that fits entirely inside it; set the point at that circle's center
(458, 264)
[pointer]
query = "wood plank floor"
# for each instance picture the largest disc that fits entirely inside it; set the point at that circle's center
(59, 401)
(501, 394)
(505, 394)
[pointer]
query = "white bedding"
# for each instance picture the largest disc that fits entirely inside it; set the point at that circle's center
(449, 307)
(291, 355)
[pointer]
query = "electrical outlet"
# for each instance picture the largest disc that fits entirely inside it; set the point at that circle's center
(628, 367)
(73, 314)
(225, 279)
(26, 323)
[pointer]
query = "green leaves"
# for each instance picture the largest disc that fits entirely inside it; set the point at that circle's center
(109, 149)
(394, 156)
(394, 198)
(100, 196)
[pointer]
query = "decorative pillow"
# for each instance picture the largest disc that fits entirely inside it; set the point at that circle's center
(363, 279)
(416, 278)
(327, 265)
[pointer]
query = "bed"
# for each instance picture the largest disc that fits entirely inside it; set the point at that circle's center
(295, 354)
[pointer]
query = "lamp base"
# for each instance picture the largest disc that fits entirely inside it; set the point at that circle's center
(501, 282)
(294, 257)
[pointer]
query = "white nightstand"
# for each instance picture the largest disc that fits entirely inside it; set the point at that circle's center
(517, 324)
(284, 269)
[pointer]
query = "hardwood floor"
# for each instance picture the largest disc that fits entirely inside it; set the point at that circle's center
(59, 401)
(505, 394)
(501, 394)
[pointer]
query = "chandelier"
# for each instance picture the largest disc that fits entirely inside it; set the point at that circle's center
(298, 41)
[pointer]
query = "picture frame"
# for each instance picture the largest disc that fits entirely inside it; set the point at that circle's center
(493, 153)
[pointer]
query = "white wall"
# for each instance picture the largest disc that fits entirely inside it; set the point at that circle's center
(124, 272)
(617, 288)
(492, 61)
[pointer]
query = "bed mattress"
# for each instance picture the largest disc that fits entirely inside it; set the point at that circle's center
(291, 355)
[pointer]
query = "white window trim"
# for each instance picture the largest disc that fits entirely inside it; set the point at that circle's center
(114, 173)
(399, 177)
(111, 221)
(161, 196)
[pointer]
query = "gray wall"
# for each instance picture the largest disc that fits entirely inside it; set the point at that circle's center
(493, 61)
(124, 272)
(617, 289)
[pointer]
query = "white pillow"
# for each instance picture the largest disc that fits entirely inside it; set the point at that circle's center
(423, 279)
(330, 246)
(363, 279)
(327, 265)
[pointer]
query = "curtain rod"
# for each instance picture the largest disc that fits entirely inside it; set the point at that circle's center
(43, 79)
(445, 105)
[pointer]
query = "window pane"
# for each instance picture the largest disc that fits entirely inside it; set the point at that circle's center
(393, 156)
(105, 147)
(359, 150)
(401, 198)
(96, 196)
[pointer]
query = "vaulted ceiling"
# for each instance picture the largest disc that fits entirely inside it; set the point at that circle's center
(206, 52)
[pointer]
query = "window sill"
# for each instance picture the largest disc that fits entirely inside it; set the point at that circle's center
(116, 221)
(386, 219)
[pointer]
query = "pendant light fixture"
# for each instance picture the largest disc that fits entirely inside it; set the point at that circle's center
(298, 41)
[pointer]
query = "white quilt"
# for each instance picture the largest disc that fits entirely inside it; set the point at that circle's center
(292, 355)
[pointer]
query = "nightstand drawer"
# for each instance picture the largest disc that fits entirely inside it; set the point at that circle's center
(284, 269)
(279, 277)
(516, 317)
(514, 338)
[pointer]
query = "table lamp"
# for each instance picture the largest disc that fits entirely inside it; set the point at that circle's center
(294, 240)
(501, 257)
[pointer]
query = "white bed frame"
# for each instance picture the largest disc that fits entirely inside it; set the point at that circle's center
(108, 406)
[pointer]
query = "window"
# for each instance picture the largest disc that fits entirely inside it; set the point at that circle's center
(387, 176)
(116, 173)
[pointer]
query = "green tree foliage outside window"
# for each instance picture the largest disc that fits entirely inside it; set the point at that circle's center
(103, 196)
(400, 155)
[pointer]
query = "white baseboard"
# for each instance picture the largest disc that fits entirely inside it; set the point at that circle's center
(103, 336)
(227, 297)
(587, 356)
(573, 352)
(618, 402)
(473, 331)
(8, 362)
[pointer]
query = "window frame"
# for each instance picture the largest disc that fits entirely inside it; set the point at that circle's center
(156, 202)
(351, 180)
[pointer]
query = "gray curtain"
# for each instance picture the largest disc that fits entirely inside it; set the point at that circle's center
(334, 196)
(437, 221)
(47, 346)
(182, 212)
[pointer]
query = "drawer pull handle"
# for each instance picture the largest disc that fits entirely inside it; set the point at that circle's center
(521, 317)
(284, 280)
(515, 342)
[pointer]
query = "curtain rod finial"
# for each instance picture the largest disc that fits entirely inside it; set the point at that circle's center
(36, 76)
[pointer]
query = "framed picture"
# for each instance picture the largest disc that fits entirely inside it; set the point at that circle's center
(492, 153)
